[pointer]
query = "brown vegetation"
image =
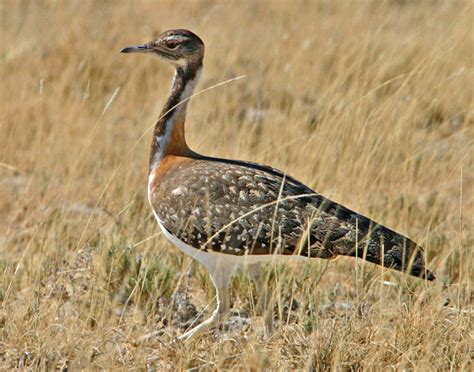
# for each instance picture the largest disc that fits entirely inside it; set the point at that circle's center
(368, 102)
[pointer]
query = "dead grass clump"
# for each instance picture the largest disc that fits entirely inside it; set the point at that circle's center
(368, 102)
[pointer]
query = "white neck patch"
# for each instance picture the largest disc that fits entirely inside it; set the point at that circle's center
(191, 85)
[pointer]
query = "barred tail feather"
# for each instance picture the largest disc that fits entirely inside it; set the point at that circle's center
(339, 231)
(387, 248)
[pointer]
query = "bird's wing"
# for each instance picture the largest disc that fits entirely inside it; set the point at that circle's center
(242, 208)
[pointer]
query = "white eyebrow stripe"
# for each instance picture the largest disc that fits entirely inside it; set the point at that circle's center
(177, 38)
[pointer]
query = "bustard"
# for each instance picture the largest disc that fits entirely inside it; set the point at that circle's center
(230, 214)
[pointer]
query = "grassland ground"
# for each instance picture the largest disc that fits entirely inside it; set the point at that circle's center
(368, 102)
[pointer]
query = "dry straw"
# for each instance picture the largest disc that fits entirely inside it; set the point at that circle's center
(368, 102)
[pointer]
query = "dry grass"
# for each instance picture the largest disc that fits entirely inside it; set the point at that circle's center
(369, 102)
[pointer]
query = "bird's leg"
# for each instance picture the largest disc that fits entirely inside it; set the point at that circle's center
(222, 295)
(264, 297)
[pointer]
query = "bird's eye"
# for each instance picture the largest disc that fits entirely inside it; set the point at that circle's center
(172, 45)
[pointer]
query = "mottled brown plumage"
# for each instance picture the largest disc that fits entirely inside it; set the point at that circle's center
(243, 208)
(232, 214)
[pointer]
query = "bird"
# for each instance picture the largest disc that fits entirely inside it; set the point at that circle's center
(234, 215)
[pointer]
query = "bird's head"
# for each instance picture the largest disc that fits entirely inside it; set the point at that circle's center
(180, 47)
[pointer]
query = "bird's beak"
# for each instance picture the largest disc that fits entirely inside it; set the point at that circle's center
(144, 48)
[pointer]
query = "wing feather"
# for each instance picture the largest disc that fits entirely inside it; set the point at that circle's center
(243, 208)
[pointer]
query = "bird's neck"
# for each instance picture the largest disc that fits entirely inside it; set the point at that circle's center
(168, 135)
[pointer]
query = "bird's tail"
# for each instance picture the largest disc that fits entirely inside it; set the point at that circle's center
(390, 249)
